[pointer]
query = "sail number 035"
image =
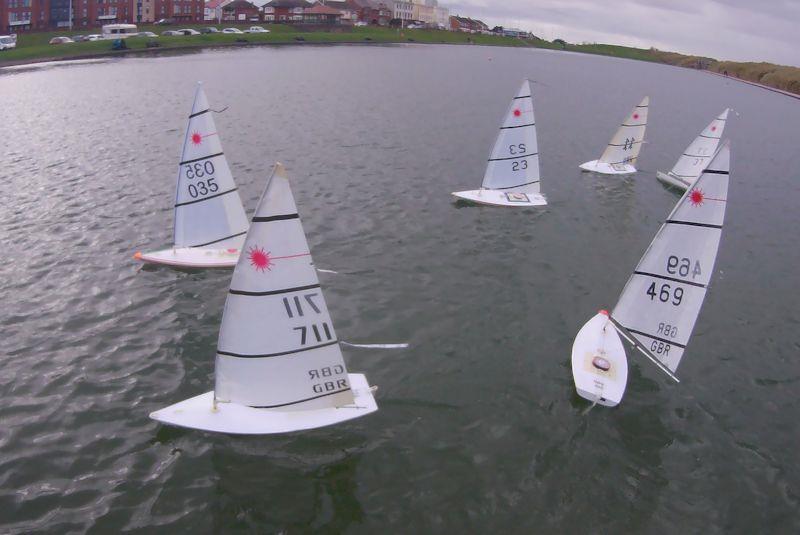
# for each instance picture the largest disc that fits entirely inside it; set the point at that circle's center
(201, 187)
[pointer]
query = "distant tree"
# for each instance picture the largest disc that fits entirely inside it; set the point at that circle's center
(497, 29)
(561, 43)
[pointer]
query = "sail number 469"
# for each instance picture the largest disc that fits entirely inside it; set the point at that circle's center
(683, 266)
(665, 294)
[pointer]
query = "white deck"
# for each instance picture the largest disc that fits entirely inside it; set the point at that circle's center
(596, 166)
(672, 180)
(199, 413)
(599, 338)
(191, 257)
(494, 197)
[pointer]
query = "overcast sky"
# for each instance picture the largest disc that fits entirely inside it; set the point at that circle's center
(742, 30)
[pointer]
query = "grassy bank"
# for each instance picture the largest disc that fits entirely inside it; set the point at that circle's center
(33, 47)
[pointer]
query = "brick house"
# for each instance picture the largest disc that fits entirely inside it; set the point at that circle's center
(321, 14)
(285, 10)
(348, 8)
(375, 11)
(240, 11)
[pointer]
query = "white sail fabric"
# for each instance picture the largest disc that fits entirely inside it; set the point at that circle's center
(277, 346)
(697, 155)
(624, 147)
(661, 301)
(208, 209)
(514, 162)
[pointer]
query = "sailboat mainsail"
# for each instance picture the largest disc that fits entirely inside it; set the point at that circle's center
(697, 155)
(512, 176)
(210, 223)
(623, 150)
(279, 367)
(660, 304)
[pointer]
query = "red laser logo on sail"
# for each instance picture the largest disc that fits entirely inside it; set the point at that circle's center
(635, 115)
(713, 128)
(517, 113)
(259, 259)
(196, 138)
(696, 197)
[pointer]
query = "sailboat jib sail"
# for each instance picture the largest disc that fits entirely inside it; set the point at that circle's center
(623, 150)
(512, 173)
(697, 155)
(662, 299)
(276, 325)
(210, 223)
(279, 367)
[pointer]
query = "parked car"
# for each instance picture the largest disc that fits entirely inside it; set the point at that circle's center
(170, 33)
(93, 37)
(8, 41)
(188, 31)
(257, 29)
(146, 34)
(232, 30)
(210, 29)
(361, 23)
(164, 22)
(414, 26)
(60, 40)
(78, 38)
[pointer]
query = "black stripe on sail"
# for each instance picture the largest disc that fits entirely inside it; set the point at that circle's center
(715, 172)
(708, 137)
(300, 401)
(640, 106)
(625, 124)
(282, 217)
(623, 144)
(203, 158)
(274, 292)
(519, 185)
(697, 155)
(513, 157)
(270, 355)
(692, 223)
(221, 239)
(206, 198)
(673, 279)
(523, 96)
(518, 126)
(199, 113)
(670, 342)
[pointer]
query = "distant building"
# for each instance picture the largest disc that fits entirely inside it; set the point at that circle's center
(240, 11)
(213, 9)
(321, 14)
(347, 8)
(283, 11)
(377, 12)
(403, 10)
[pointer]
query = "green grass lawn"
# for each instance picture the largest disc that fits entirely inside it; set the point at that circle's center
(34, 46)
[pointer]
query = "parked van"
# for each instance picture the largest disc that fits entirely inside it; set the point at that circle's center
(119, 31)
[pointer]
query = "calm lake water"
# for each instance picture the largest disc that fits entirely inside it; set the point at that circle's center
(479, 428)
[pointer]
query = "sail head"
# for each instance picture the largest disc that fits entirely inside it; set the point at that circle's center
(514, 161)
(627, 142)
(700, 151)
(208, 209)
(277, 346)
(662, 299)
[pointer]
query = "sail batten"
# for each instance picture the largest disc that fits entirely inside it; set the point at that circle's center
(208, 209)
(661, 301)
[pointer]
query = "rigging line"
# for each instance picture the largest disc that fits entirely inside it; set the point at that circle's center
(220, 111)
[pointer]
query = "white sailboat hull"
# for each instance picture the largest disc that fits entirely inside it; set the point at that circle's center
(493, 197)
(191, 257)
(671, 180)
(231, 418)
(598, 339)
(596, 166)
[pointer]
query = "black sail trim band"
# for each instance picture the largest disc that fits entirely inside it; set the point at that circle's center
(519, 185)
(708, 137)
(300, 401)
(673, 279)
(640, 106)
(274, 292)
(205, 198)
(518, 126)
(692, 223)
(624, 144)
(715, 172)
(697, 155)
(221, 239)
(269, 355)
(199, 113)
(282, 217)
(625, 124)
(513, 157)
(203, 158)
(670, 342)
(523, 96)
